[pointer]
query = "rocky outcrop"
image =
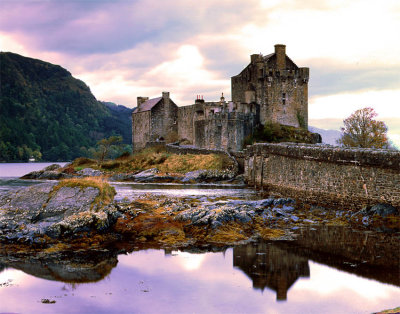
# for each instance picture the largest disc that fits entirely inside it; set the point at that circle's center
(28, 214)
(89, 172)
(49, 173)
(215, 214)
(153, 175)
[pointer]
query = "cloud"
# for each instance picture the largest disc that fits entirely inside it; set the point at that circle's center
(85, 27)
(329, 77)
(183, 66)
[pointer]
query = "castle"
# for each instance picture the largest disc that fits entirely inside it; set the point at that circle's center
(271, 88)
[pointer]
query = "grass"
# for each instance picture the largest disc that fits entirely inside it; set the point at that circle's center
(107, 192)
(156, 157)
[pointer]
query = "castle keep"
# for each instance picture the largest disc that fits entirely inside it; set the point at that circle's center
(271, 88)
(277, 85)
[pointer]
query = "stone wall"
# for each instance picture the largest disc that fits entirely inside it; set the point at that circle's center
(140, 129)
(325, 175)
(185, 122)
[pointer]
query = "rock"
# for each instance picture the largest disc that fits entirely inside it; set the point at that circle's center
(148, 175)
(52, 175)
(217, 213)
(195, 176)
(32, 175)
(89, 172)
(52, 167)
(383, 210)
(294, 218)
(48, 173)
(122, 177)
(32, 212)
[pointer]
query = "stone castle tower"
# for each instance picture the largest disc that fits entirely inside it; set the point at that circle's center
(277, 85)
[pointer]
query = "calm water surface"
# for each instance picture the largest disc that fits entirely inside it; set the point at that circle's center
(156, 281)
(278, 277)
(19, 169)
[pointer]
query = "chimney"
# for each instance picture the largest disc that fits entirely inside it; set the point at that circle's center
(280, 51)
(165, 96)
(141, 100)
(255, 58)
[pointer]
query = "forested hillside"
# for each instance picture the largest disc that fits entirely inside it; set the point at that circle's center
(45, 111)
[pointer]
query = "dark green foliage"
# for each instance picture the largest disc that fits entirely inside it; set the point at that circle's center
(107, 147)
(120, 122)
(277, 133)
(45, 111)
(302, 121)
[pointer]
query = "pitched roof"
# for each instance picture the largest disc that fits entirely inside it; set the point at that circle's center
(148, 105)
(268, 56)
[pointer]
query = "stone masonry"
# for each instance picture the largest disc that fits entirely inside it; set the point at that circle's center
(326, 175)
(277, 85)
(270, 89)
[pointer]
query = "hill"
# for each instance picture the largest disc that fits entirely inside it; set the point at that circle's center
(328, 136)
(45, 111)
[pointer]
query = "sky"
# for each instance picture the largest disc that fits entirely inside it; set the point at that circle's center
(128, 48)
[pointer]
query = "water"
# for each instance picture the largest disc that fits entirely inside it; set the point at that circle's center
(10, 173)
(253, 278)
(130, 191)
(15, 170)
(326, 270)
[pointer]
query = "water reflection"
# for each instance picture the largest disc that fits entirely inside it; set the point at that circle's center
(246, 278)
(133, 190)
(78, 267)
(270, 266)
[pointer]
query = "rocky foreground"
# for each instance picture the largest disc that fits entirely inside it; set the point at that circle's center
(80, 213)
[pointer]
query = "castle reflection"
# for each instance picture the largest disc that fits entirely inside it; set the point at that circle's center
(277, 265)
(270, 266)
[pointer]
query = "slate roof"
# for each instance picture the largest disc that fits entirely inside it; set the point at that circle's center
(148, 105)
(268, 56)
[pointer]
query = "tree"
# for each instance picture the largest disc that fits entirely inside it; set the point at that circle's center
(362, 130)
(105, 146)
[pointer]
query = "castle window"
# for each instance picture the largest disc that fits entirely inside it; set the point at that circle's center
(283, 98)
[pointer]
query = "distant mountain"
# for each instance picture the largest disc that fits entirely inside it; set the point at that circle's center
(45, 111)
(328, 136)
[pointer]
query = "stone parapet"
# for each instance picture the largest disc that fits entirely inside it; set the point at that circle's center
(325, 175)
(382, 158)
